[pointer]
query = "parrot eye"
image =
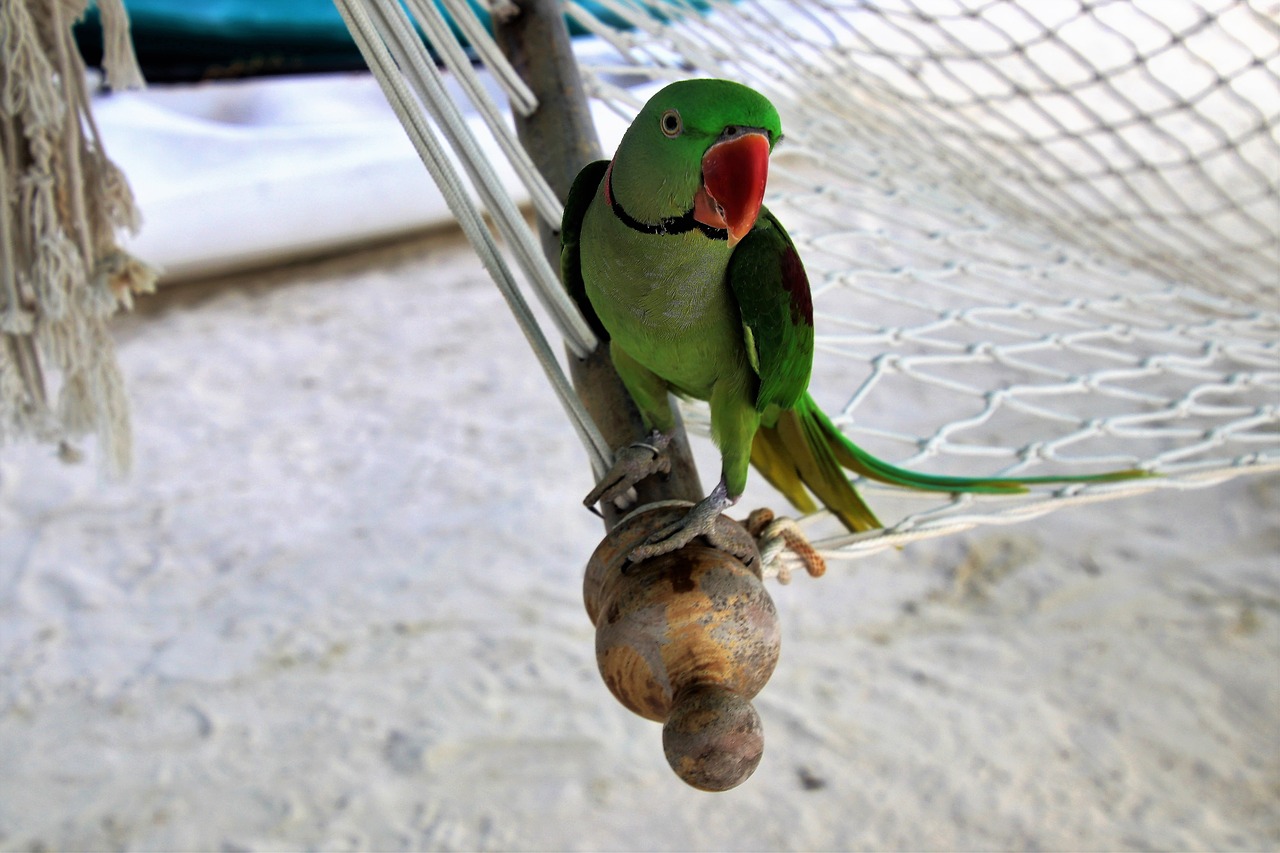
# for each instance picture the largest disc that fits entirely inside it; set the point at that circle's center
(671, 124)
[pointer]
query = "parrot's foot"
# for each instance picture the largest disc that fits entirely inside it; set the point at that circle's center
(699, 521)
(779, 538)
(633, 464)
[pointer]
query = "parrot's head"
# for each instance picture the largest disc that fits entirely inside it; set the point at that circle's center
(700, 145)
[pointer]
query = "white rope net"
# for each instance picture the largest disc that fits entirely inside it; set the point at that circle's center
(1042, 238)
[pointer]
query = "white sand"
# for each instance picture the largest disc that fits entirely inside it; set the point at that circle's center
(337, 606)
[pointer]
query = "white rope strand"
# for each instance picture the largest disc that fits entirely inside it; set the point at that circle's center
(434, 24)
(441, 169)
(416, 66)
(919, 527)
(522, 97)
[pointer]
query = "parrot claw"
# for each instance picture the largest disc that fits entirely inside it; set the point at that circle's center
(699, 521)
(633, 463)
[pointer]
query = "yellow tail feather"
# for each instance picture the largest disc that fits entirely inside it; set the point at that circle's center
(795, 455)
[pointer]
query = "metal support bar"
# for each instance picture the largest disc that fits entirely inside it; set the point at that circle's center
(561, 138)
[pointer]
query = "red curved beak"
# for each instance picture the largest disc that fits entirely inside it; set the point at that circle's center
(734, 173)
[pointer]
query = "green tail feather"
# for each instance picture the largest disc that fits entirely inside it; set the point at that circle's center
(859, 461)
(797, 458)
(804, 450)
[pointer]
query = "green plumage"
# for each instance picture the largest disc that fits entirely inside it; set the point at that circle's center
(687, 311)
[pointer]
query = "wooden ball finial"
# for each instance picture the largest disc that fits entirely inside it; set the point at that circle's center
(713, 738)
(686, 638)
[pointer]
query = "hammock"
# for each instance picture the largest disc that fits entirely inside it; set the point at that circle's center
(1039, 241)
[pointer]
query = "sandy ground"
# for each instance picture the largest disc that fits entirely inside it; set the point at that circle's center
(337, 605)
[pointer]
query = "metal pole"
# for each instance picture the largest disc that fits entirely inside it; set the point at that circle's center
(561, 138)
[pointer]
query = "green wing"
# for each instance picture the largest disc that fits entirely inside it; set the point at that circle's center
(789, 448)
(769, 283)
(580, 196)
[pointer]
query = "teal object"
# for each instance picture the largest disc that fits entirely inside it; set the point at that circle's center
(180, 40)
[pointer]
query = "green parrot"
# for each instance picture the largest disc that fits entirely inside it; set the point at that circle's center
(699, 291)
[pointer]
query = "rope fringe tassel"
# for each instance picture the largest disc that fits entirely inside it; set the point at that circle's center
(62, 201)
